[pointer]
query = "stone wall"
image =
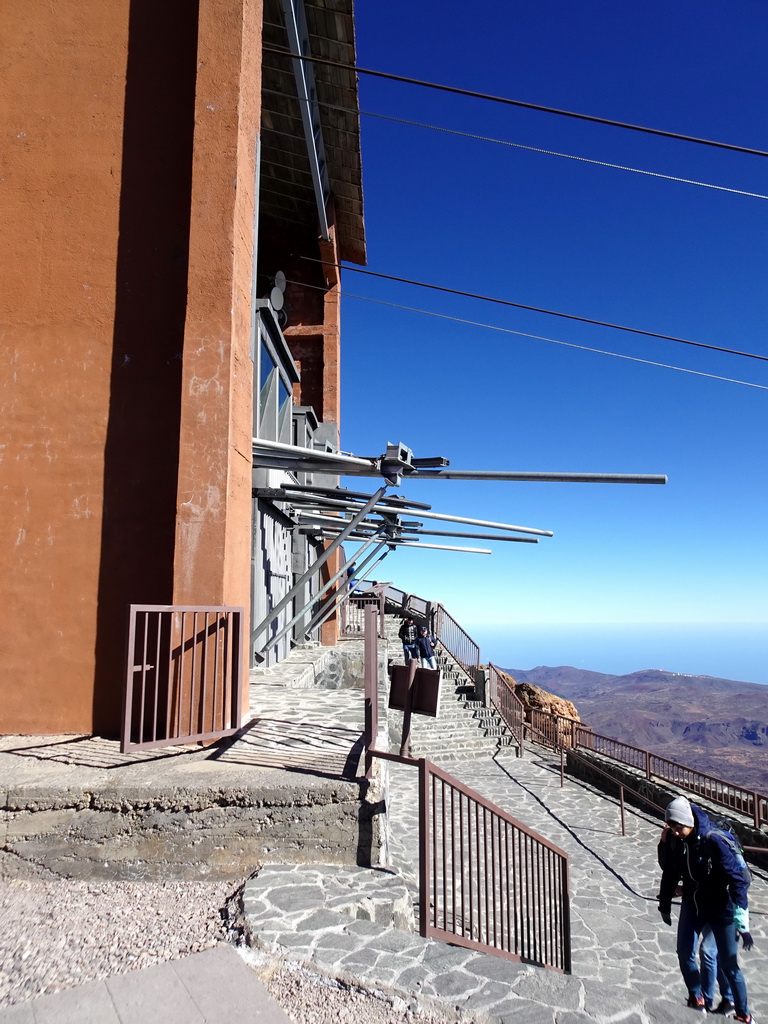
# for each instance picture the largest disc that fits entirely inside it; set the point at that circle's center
(193, 833)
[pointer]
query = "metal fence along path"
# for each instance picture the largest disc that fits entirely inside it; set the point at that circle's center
(489, 882)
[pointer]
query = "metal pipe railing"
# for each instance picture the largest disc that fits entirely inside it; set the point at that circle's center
(559, 731)
(506, 702)
(457, 642)
(487, 881)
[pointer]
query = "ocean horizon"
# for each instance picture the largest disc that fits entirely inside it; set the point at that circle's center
(724, 651)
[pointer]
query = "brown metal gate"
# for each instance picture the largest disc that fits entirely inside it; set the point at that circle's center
(487, 881)
(184, 678)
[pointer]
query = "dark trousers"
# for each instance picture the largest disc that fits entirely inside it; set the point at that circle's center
(689, 930)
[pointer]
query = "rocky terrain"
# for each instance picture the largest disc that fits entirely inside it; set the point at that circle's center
(58, 933)
(717, 725)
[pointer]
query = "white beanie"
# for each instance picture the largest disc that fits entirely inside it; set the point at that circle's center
(679, 810)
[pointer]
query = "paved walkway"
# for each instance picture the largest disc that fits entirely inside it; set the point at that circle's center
(624, 966)
(340, 920)
(214, 987)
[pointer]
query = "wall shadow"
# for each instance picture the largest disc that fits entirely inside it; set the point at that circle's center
(142, 446)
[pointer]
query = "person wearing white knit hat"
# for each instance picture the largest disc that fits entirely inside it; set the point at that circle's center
(709, 969)
(679, 811)
(714, 896)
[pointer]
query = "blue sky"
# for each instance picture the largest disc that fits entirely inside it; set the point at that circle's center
(589, 240)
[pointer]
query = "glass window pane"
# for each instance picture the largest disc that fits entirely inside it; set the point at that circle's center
(267, 366)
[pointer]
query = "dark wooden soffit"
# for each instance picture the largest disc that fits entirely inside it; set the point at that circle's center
(287, 192)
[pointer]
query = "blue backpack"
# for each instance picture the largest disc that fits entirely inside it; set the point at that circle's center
(723, 831)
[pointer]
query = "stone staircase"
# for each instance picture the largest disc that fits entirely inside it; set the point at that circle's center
(465, 728)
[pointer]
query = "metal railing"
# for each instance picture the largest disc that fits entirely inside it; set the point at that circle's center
(405, 603)
(352, 615)
(489, 883)
(486, 881)
(557, 731)
(184, 677)
(457, 642)
(504, 699)
(561, 732)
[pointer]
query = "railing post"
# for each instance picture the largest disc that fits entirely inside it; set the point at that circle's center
(621, 801)
(424, 845)
(371, 663)
(756, 817)
(573, 734)
(648, 765)
(405, 740)
(565, 911)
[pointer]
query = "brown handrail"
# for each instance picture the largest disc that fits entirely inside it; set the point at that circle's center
(487, 881)
(352, 614)
(457, 642)
(504, 699)
(567, 732)
(184, 675)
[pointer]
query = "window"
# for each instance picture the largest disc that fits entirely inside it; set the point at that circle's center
(277, 373)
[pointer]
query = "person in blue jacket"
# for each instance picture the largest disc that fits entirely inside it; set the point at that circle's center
(714, 894)
(426, 644)
(708, 966)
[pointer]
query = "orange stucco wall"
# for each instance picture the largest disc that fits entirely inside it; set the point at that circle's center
(62, 82)
(213, 534)
(127, 174)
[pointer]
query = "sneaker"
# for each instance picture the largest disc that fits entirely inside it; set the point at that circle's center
(745, 1020)
(725, 1007)
(697, 1003)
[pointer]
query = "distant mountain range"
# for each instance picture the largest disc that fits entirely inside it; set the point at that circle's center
(719, 726)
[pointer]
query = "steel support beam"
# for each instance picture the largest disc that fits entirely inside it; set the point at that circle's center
(298, 44)
(317, 564)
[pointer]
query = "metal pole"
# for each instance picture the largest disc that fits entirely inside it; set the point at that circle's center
(436, 547)
(424, 847)
(621, 801)
(565, 478)
(317, 563)
(335, 599)
(286, 628)
(405, 742)
(293, 451)
(473, 536)
(371, 663)
(349, 505)
(370, 569)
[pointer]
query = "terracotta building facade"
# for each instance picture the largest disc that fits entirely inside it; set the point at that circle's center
(161, 195)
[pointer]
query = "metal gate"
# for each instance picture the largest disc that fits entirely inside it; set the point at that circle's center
(184, 678)
(487, 881)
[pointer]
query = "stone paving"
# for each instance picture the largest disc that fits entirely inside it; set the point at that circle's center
(624, 966)
(357, 924)
(213, 987)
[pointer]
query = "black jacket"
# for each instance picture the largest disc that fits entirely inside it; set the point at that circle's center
(426, 645)
(408, 633)
(712, 879)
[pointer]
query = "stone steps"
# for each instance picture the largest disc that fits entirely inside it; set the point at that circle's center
(466, 729)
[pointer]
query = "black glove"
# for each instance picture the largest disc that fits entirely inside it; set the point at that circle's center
(746, 938)
(665, 916)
